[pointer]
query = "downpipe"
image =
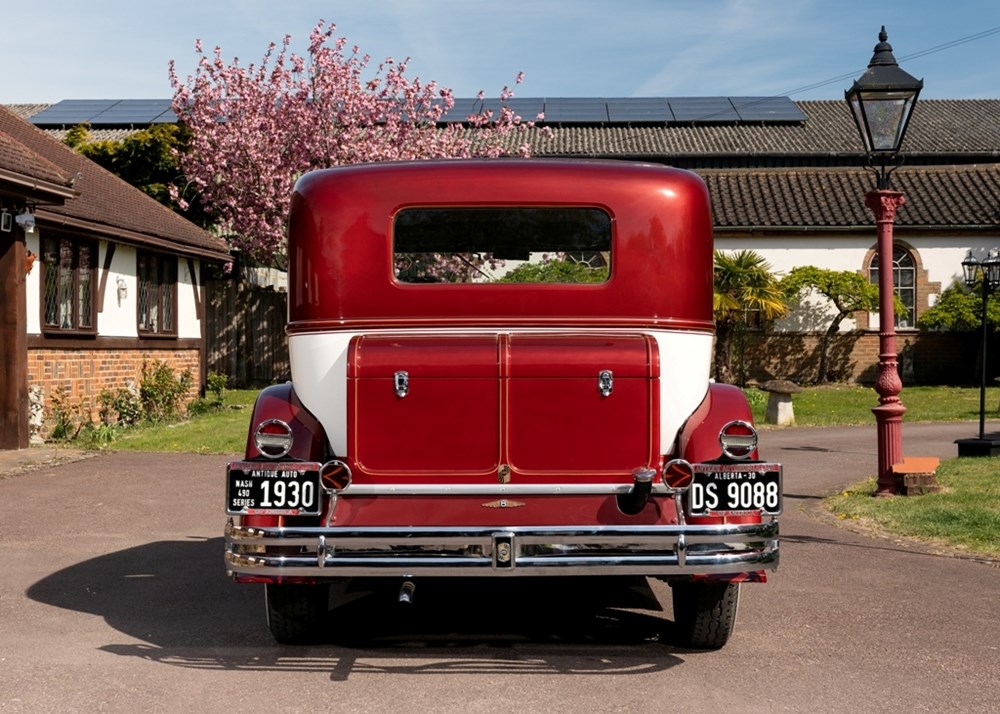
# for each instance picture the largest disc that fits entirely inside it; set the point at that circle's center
(634, 501)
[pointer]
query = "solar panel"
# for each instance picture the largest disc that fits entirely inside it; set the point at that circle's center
(767, 109)
(527, 108)
(70, 112)
(463, 107)
(703, 110)
(576, 110)
(132, 112)
(639, 109)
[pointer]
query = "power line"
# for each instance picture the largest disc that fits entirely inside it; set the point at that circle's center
(914, 55)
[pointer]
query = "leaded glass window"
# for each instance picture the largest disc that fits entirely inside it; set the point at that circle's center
(157, 293)
(68, 284)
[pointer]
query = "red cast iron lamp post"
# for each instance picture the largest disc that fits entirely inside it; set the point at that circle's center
(881, 101)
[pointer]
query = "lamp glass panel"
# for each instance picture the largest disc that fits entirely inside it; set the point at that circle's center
(886, 114)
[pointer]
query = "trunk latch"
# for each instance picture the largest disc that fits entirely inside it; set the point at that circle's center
(605, 382)
(402, 381)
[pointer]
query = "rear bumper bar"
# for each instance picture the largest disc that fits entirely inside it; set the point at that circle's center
(518, 551)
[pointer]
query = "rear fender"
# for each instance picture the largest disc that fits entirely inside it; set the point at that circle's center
(309, 439)
(699, 438)
(279, 401)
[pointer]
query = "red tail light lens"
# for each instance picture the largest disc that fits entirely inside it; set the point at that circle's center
(335, 475)
(738, 440)
(677, 475)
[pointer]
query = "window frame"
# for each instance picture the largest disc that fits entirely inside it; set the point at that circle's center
(493, 241)
(76, 244)
(899, 253)
(166, 294)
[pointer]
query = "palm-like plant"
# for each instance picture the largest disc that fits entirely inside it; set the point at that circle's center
(744, 287)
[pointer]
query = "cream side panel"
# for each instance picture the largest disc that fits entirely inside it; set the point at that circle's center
(319, 375)
(685, 368)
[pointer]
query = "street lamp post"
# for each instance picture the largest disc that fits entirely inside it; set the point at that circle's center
(881, 102)
(987, 272)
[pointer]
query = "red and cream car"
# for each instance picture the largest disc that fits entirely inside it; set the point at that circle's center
(500, 368)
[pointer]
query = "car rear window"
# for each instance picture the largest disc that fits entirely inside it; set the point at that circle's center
(498, 244)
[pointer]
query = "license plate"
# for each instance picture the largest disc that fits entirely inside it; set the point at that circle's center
(279, 488)
(735, 489)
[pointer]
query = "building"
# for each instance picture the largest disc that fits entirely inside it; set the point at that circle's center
(97, 279)
(787, 180)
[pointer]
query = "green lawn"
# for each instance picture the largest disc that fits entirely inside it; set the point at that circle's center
(218, 432)
(964, 515)
(840, 405)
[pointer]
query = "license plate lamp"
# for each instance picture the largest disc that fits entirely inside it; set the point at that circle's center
(273, 438)
(738, 440)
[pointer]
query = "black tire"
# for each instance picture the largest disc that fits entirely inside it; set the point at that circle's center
(705, 613)
(296, 614)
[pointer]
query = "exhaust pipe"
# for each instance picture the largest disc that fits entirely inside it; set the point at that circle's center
(406, 592)
(642, 485)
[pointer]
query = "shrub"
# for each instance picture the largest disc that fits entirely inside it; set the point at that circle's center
(160, 391)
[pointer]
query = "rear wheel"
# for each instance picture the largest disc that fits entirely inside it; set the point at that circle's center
(705, 613)
(296, 614)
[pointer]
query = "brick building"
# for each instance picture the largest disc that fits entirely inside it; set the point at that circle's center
(96, 279)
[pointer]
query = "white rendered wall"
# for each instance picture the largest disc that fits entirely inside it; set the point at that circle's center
(118, 316)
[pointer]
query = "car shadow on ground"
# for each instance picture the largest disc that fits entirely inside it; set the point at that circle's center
(174, 598)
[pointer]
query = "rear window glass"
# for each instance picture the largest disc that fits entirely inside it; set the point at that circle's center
(490, 245)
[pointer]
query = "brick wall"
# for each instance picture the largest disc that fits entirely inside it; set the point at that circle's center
(930, 357)
(83, 374)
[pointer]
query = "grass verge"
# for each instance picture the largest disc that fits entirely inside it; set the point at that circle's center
(846, 405)
(223, 431)
(965, 515)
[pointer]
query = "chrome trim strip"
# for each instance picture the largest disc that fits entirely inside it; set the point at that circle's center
(526, 550)
(494, 489)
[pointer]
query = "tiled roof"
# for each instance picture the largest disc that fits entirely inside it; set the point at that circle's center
(938, 127)
(942, 198)
(35, 176)
(107, 205)
(952, 180)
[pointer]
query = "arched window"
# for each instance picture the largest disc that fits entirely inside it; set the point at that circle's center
(904, 280)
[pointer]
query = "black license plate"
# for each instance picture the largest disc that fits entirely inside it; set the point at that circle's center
(735, 489)
(279, 488)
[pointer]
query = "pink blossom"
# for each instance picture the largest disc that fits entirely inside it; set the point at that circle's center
(255, 129)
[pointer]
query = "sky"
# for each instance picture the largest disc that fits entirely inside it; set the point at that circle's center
(805, 49)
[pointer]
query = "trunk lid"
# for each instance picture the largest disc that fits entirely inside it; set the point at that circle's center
(521, 408)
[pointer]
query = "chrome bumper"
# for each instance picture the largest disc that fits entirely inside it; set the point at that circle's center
(518, 551)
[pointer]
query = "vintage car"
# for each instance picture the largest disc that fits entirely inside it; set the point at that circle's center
(500, 369)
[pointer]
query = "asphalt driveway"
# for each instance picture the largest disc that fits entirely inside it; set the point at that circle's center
(113, 598)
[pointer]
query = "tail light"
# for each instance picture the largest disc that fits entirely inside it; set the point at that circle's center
(738, 440)
(273, 438)
(335, 475)
(677, 475)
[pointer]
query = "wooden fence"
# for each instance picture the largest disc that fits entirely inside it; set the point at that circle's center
(245, 333)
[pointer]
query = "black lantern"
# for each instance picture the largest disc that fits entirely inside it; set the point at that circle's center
(882, 100)
(988, 271)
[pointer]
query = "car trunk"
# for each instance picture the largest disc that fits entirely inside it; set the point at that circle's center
(517, 408)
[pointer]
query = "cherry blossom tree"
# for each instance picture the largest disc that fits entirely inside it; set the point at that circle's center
(256, 128)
